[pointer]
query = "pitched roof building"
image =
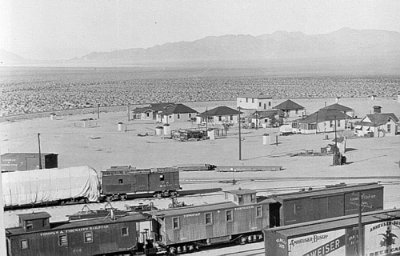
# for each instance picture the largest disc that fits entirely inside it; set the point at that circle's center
(288, 105)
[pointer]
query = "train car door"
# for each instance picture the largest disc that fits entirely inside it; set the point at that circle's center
(274, 215)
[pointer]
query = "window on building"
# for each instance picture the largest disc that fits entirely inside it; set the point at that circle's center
(24, 244)
(219, 118)
(175, 223)
(120, 181)
(208, 218)
(229, 216)
(231, 118)
(259, 104)
(162, 177)
(252, 100)
(338, 123)
(148, 114)
(29, 225)
(265, 106)
(62, 240)
(331, 123)
(179, 116)
(124, 231)
(269, 103)
(252, 198)
(297, 111)
(88, 237)
(240, 199)
(258, 211)
(190, 115)
(388, 127)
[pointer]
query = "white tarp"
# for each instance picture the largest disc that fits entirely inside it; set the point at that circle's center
(37, 186)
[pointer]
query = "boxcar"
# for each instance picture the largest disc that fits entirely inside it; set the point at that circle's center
(186, 228)
(27, 161)
(332, 201)
(96, 236)
(127, 180)
(338, 236)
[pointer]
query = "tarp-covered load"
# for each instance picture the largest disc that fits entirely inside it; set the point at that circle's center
(47, 185)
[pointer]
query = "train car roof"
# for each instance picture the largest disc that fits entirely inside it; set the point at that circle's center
(34, 215)
(123, 170)
(205, 208)
(133, 217)
(341, 188)
(335, 223)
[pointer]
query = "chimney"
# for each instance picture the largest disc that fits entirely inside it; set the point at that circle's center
(377, 109)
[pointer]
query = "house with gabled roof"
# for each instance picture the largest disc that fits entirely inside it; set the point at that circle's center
(377, 125)
(346, 110)
(290, 109)
(265, 118)
(150, 112)
(176, 113)
(322, 121)
(219, 115)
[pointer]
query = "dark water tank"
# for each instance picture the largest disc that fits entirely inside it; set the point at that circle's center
(377, 109)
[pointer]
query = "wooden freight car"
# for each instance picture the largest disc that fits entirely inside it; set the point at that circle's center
(380, 235)
(94, 236)
(186, 228)
(11, 162)
(332, 201)
(119, 181)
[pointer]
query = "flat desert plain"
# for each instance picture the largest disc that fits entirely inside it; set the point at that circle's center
(100, 145)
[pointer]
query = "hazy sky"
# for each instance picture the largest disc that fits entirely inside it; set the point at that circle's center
(54, 29)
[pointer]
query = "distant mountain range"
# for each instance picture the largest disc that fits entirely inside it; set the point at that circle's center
(344, 44)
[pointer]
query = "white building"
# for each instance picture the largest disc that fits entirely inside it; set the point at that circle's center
(218, 115)
(377, 125)
(254, 102)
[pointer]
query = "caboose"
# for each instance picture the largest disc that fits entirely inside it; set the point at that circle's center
(240, 219)
(94, 236)
(119, 181)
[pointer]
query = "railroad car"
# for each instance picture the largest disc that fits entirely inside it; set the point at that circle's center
(11, 162)
(119, 181)
(187, 228)
(83, 184)
(243, 217)
(380, 233)
(94, 236)
(332, 201)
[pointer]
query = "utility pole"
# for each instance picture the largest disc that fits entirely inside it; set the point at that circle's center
(206, 119)
(40, 153)
(129, 113)
(256, 120)
(98, 110)
(360, 231)
(240, 138)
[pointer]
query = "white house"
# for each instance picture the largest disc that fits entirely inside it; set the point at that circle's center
(176, 113)
(265, 118)
(321, 121)
(150, 112)
(377, 125)
(290, 109)
(218, 115)
(254, 102)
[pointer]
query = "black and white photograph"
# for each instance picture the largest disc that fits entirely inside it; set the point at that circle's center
(200, 127)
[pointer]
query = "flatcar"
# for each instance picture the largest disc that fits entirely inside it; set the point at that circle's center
(119, 181)
(94, 236)
(244, 216)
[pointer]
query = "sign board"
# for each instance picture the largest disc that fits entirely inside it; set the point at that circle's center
(330, 243)
(382, 238)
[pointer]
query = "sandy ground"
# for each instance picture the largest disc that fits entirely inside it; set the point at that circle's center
(102, 146)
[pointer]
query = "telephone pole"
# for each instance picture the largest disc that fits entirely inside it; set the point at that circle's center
(240, 138)
(40, 153)
(360, 230)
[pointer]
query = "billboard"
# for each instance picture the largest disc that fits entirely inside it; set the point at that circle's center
(330, 243)
(382, 238)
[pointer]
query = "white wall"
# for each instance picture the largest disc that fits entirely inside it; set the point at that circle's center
(254, 103)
